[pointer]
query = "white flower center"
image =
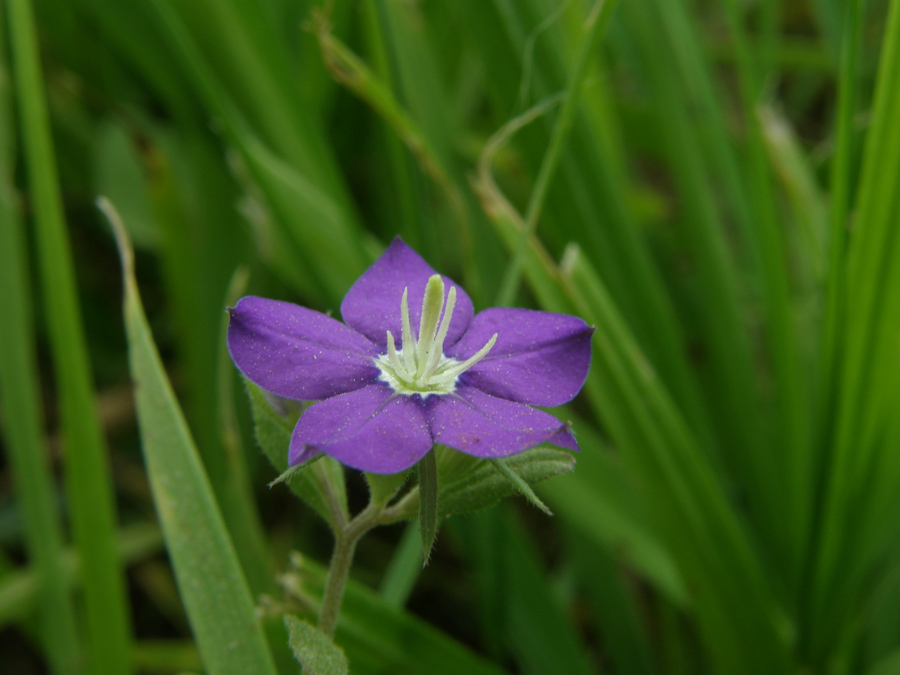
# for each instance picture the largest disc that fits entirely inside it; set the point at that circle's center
(420, 367)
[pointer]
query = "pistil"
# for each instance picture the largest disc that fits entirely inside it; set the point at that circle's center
(420, 366)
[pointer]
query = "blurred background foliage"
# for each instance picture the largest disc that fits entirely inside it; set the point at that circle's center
(714, 185)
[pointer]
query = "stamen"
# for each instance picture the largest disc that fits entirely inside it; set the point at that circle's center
(459, 368)
(432, 304)
(438, 350)
(392, 354)
(420, 367)
(408, 343)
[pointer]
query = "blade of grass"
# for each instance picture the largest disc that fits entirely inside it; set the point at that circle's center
(531, 621)
(378, 638)
(864, 466)
(688, 506)
(599, 502)
(678, 480)
(841, 183)
(212, 587)
(587, 203)
(406, 214)
(694, 153)
(27, 449)
(457, 236)
(788, 371)
(828, 13)
(770, 40)
(201, 242)
(237, 45)
(166, 656)
(675, 46)
(20, 591)
(808, 204)
(25, 443)
(669, 352)
(839, 225)
(350, 71)
(318, 220)
(404, 568)
(88, 482)
(593, 31)
(615, 606)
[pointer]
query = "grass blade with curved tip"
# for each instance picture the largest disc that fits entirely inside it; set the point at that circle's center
(212, 587)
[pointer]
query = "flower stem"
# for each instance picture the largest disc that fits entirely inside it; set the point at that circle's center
(341, 559)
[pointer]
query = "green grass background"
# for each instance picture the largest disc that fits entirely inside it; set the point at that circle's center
(714, 184)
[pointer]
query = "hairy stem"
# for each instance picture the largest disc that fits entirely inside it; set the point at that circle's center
(341, 559)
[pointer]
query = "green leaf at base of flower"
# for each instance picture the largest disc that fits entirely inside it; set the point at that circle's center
(315, 651)
(428, 503)
(486, 484)
(273, 434)
(383, 487)
(519, 484)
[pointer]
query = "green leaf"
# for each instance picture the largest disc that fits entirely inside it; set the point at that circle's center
(601, 502)
(487, 484)
(383, 487)
(468, 483)
(21, 589)
(379, 638)
(889, 665)
(273, 434)
(519, 596)
(89, 489)
(119, 174)
(404, 568)
(213, 589)
(428, 503)
(520, 485)
(314, 650)
(23, 431)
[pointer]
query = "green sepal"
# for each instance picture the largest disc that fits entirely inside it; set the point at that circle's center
(307, 481)
(288, 473)
(469, 484)
(485, 485)
(510, 474)
(315, 651)
(383, 487)
(428, 503)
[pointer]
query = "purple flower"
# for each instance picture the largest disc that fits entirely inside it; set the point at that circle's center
(386, 395)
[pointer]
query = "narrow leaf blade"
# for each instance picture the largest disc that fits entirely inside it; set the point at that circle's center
(211, 585)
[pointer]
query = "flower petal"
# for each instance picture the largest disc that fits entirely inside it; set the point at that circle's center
(372, 305)
(370, 429)
(485, 426)
(539, 358)
(296, 352)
